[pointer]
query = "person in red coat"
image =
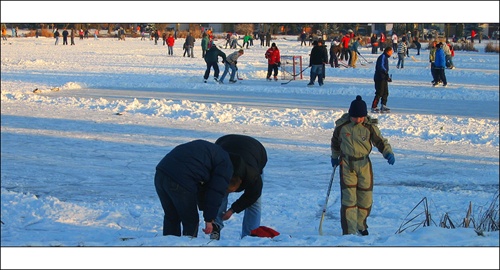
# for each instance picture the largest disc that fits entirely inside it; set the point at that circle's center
(345, 47)
(170, 44)
(381, 44)
(273, 61)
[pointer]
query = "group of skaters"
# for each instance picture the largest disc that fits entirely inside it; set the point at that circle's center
(232, 39)
(72, 33)
(346, 49)
(319, 57)
(211, 54)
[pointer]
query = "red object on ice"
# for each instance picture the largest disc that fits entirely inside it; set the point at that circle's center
(264, 231)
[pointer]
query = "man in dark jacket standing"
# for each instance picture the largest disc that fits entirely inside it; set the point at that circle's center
(319, 57)
(190, 45)
(182, 173)
(65, 34)
(303, 37)
(381, 78)
(211, 58)
(268, 39)
(254, 157)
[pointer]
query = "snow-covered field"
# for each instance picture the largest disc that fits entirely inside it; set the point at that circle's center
(76, 174)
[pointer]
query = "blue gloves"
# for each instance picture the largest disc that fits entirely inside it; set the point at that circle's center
(335, 162)
(390, 159)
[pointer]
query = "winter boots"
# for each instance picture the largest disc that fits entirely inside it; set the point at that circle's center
(363, 233)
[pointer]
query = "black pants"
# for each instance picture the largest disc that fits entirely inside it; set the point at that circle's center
(216, 70)
(440, 76)
(433, 72)
(270, 69)
(381, 92)
(345, 54)
(334, 62)
(180, 207)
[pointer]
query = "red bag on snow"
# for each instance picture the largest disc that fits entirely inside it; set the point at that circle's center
(264, 231)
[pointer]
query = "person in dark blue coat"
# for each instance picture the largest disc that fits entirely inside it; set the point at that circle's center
(317, 60)
(182, 173)
(254, 158)
(381, 78)
(211, 58)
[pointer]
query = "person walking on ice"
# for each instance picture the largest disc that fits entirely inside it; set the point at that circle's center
(353, 137)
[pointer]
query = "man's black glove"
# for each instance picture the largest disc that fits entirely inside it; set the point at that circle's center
(279, 64)
(235, 62)
(223, 61)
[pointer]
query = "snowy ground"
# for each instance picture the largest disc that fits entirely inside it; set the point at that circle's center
(76, 174)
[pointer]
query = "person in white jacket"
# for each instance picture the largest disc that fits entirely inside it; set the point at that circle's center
(394, 42)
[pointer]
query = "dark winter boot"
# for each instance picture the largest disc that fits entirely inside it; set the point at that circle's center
(215, 235)
(363, 233)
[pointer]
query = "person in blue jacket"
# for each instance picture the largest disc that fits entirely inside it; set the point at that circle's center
(381, 79)
(440, 65)
(254, 157)
(186, 171)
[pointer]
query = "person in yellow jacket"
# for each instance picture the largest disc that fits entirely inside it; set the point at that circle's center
(353, 137)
